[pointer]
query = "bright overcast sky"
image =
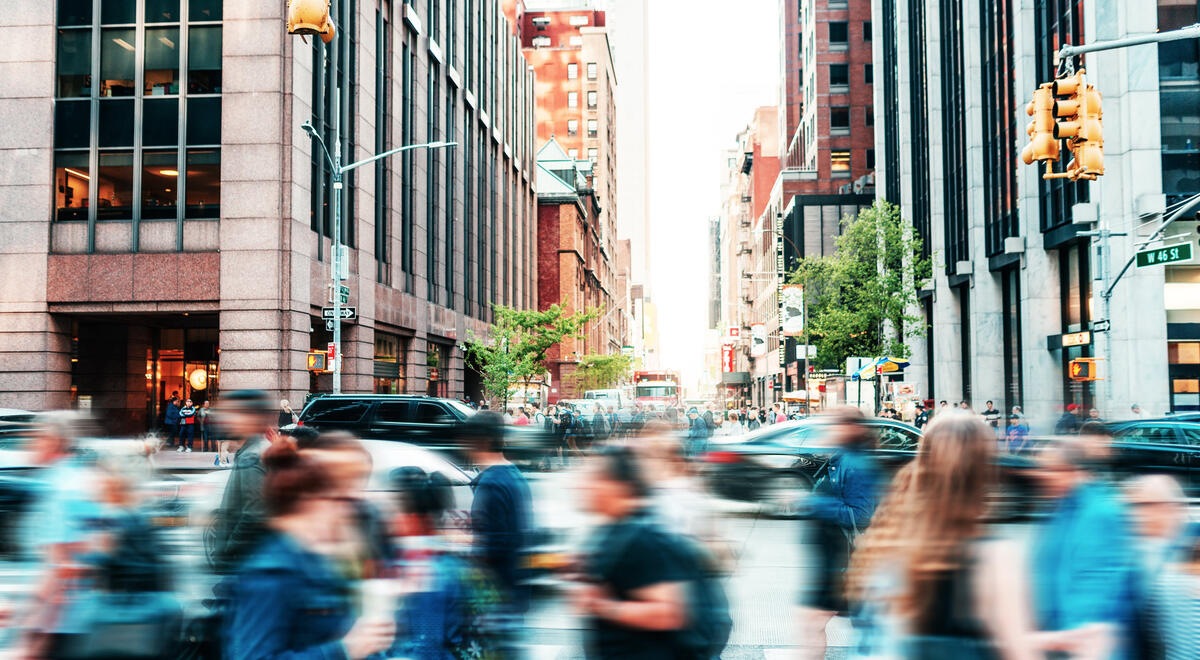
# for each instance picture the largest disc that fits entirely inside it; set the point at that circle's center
(711, 65)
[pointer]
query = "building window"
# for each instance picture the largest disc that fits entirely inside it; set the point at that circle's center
(432, 184)
(572, 70)
(1011, 299)
(408, 61)
(999, 125)
(469, 231)
(869, 116)
(839, 34)
(593, 154)
(431, 19)
(891, 105)
(591, 71)
(839, 74)
(954, 149)
(572, 99)
(383, 140)
(870, 159)
(451, 158)
(334, 65)
(964, 333)
(389, 363)
(839, 162)
(839, 118)
(593, 128)
(869, 74)
(919, 126)
(1075, 293)
(437, 363)
(573, 154)
(154, 144)
(866, 30)
(572, 127)
(592, 99)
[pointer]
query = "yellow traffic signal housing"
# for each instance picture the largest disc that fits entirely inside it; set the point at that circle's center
(1042, 145)
(317, 361)
(1082, 369)
(310, 17)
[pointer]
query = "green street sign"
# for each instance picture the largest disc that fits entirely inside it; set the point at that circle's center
(344, 293)
(1165, 255)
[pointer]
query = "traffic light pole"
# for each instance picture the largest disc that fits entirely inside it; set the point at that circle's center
(1065, 53)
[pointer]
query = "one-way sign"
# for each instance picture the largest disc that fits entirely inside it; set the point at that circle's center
(347, 313)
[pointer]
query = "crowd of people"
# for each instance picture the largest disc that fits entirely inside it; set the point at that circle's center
(306, 564)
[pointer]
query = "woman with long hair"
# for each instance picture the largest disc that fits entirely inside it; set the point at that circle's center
(957, 593)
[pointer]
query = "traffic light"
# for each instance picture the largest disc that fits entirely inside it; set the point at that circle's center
(1082, 369)
(316, 361)
(310, 17)
(1077, 107)
(1042, 144)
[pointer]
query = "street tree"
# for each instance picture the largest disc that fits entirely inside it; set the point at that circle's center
(598, 372)
(517, 343)
(861, 300)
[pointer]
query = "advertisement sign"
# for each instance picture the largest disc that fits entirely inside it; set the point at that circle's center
(734, 332)
(726, 358)
(791, 310)
(758, 339)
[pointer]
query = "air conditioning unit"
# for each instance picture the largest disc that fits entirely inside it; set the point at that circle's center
(1014, 245)
(541, 42)
(963, 268)
(1084, 213)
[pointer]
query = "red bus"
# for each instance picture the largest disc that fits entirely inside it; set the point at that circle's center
(656, 390)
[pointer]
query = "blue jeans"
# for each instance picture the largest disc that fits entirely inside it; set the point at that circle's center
(186, 433)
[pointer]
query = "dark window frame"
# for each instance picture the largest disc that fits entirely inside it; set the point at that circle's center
(1000, 143)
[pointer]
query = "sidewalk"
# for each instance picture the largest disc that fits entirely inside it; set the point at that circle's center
(169, 459)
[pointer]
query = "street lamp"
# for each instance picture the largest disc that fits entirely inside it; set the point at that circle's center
(337, 261)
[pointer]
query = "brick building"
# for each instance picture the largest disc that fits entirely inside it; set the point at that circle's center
(570, 258)
(570, 54)
(167, 222)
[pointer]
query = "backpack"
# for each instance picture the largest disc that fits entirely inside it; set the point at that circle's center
(709, 622)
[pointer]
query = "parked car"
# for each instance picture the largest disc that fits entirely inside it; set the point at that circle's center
(611, 398)
(777, 464)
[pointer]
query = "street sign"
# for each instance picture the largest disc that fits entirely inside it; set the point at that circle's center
(329, 325)
(1077, 339)
(347, 313)
(1165, 255)
(344, 293)
(1103, 325)
(317, 361)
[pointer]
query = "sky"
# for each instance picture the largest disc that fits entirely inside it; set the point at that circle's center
(711, 65)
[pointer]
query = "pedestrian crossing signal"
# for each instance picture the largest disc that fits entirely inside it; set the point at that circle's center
(1082, 369)
(317, 361)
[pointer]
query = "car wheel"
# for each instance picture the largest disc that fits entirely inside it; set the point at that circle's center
(784, 493)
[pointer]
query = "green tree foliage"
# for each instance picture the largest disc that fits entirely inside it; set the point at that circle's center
(598, 372)
(861, 299)
(514, 352)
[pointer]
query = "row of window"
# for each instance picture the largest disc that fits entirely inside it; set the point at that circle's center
(137, 115)
(573, 70)
(593, 99)
(839, 74)
(593, 127)
(839, 32)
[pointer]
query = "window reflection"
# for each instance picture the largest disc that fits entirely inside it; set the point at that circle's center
(162, 62)
(114, 186)
(160, 184)
(204, 60)
(839, 160)
(116, 12)
(203, 183)
(117, 63)
(71, 184)
(162, 11)
(74, 63)
(204, 121)
(74, 12)
(204, 10)
(72, 123)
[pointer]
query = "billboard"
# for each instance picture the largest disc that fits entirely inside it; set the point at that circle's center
(791, 310)
(726, 358)
(758, 339)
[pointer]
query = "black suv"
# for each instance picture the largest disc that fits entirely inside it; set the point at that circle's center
(421, 420)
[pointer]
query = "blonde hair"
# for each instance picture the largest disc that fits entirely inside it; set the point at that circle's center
(935, 505)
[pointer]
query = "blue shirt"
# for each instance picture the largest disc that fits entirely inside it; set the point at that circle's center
(848, 500)
(287, 604)
(500, 516)
(66, 510)
(1083, 560)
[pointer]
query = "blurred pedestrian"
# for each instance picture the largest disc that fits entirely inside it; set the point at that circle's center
(928, 566)
(1177, 597)
(732, 426)
(1160, 513)
(709, 423)
(696, 441)
(522, 419)
(752, 420)
(1135, 411)
(777, 414)
(500, 509)
(1069, 422)
(924, 414)
(445, 611)
(838, 510)
(246, 418)
(1083, 559)
(635, 596)
(203, 421)
(287, 416)
(171, 418)
(187, 426)
(1094, 415)
(288, 600)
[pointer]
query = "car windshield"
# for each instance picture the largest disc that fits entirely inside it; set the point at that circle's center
(656, 390)
(461, 408)
(792, 434)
